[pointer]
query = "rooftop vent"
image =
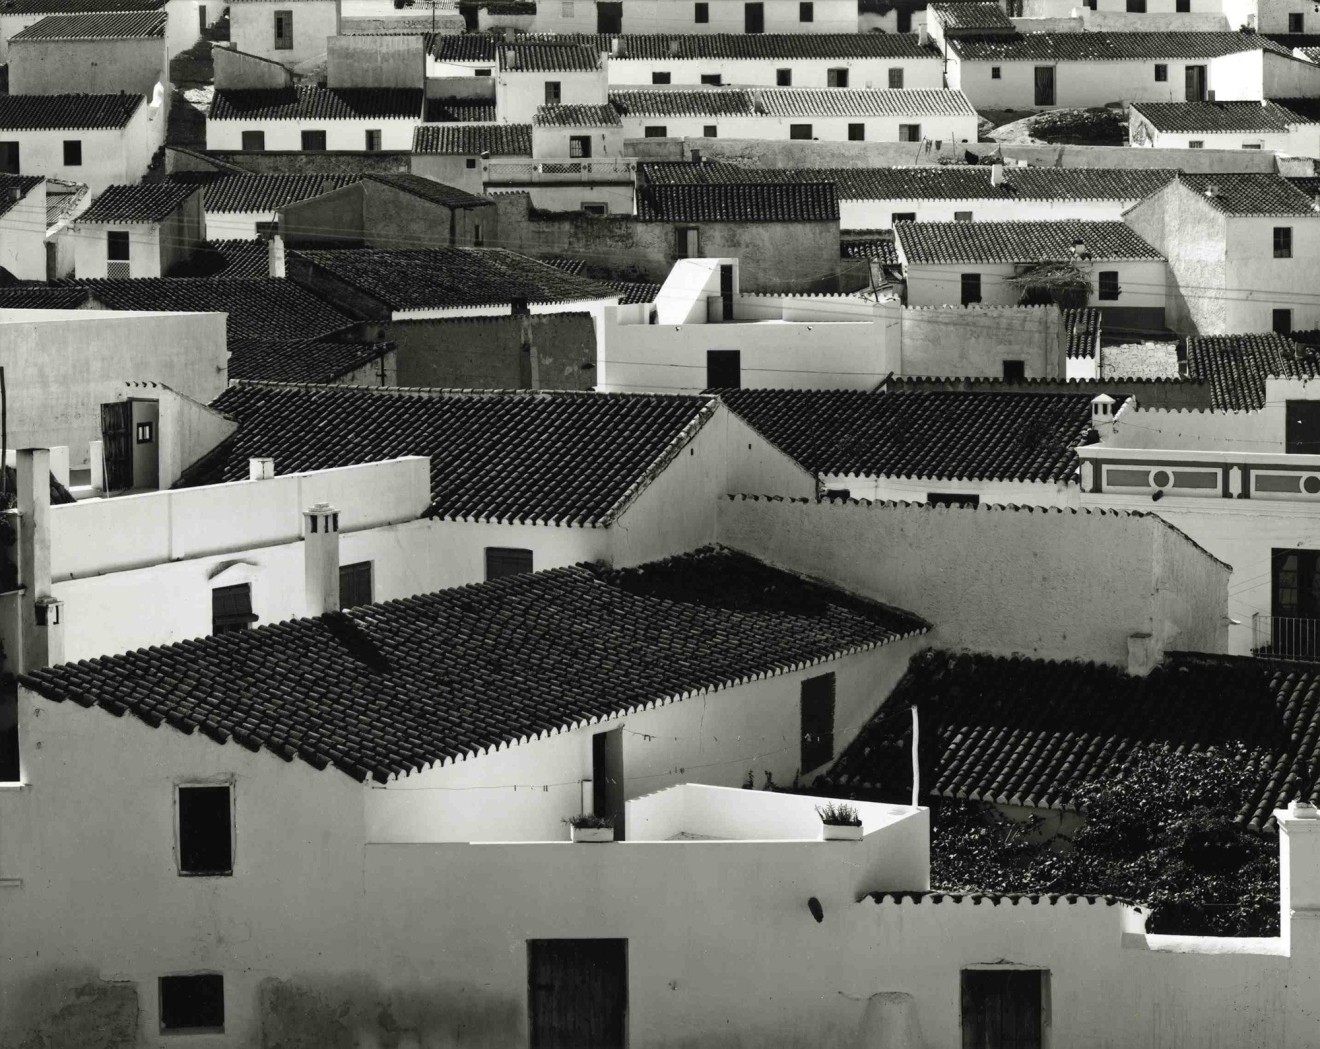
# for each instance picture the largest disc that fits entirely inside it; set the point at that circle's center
(1213, 190)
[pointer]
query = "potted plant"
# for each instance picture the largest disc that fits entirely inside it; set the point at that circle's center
(839, 822)
(586, 827)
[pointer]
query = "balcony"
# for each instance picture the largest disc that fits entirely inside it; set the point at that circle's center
(1286, 637)
(565, 171)
(1159, 473)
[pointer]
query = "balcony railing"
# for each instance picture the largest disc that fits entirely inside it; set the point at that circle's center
(1292, 637)
(560, 171)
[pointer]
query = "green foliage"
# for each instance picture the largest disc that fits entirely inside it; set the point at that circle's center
(587, 820)
(1059, 283)
(1085, 127)
(839, 813)
(1163, 832)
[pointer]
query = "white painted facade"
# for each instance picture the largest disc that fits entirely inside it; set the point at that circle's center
(680, 16)
(1272, 16)
(939, 127)
(252, 29)
(341, 135)
(519, 93)
(23, 235)
(857, 214)
(864, 73)
(1300, 140)
(110, 156)
(1142, 282)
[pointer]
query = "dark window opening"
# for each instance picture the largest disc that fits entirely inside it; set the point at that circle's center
(723, 370)
(712, 79)
(1002, 1008)
(1281, 321)
(283, 30)
(904, 20)
(1283, 242)
(661, 78)
(1108, 284)
(836, 78)
(1014, 371)
(1161, 72)
(355, 585)
(962, 216)
(471, 163)
(909, 132)
(806, 11)
(710, 131)
(1302, 428)
(687, 242)
(231, 608)
(373, 140)
(116, 245)
(595, 209)
(313, 141)
(996, 72)
(754, 17)
(9, 152)
(971, 288)
(577, 993)
(1181, 7)
(579, 146)
(701, 13)
(895, 79)
(951, 499)
(504, 561)
(553, 92)
(856, 132)
(655, 131)
(206, 831)
(72, 152)
(1136, 7)
(254, 141)
(1296, 22)
(784, 77)
(816, 704)
(902, 216)
(192, 1003)
(799, 131)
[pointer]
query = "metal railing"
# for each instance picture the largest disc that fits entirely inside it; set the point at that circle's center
(1292, 637)
(560, 170)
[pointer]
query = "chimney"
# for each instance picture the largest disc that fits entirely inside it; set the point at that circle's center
(275, 255)
(1080, 250)
(1212, 189)
(1143, 654)
(923, 36)
(614, 45)
(321, 558)
(510, 58)
(1299, 875)
(261, 469)
(997, 173)
(33, 480)
(1102, 416)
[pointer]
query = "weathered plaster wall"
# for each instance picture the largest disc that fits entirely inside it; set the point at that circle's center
(555, 351)
(970, 341)
(375, 61)
(104, 67)
(252, 29)
(863, 73)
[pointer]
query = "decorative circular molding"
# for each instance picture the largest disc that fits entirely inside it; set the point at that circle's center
(1311, 484)
(1160, 478)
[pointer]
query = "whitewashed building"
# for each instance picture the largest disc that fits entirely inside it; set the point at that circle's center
(749, 17)
(293, 34)
(187, 18)
(538, 74)
(1291, 126)
(95, 140)
(314, 119)
(137, 231)
(23, 226)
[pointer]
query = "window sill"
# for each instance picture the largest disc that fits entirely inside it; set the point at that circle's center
(206, 874)
(14, 787)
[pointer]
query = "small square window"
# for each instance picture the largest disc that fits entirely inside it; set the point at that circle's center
(971, 294)
(1014, 371)
(1283, 242)
(193, 1003)
(1281, 321)
(1182, 7)
(896, 79)
(553, 92)
(1251, 145)
(655, 131)
(710, 131)
(373, 140)
(783, 78)
(1161, 72)
(254, 141)
(504, 561)
(836, 78)
(996, 73)
(579, 146)
(471, 163)
(1296, 22)
(116, 245)
(902, 216)
(806, 11)
(962, 216)
(701, 13)
(661, 78)
(231, 608)
(1196, 143)
(73, 152)
(909, 132)
(856, 132)
(313, 141)
(799, 131)
(1136, 7)
(595, 208)
(712, 79)
(146, 432)
(355, 586)
(206, 830)
(1107, 281)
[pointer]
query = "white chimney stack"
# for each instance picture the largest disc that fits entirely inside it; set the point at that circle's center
(1102, 415)
(275, 255)
(997, 174)
(923, 36)
(321, 558)
(32, 474)
(261, 469)
(1143, 654)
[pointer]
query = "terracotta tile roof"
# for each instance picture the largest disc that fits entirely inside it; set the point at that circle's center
(741, 202)
(24, 184)
(385, 690)
(547, 57)
(429, 189)
(1251, 194)
(442, 278)
(1308, 184)
(1083, 329)
(632, 293)
(66, 112)
(807, 102)
(986, 15)
(1030, 732)
(1213, 118)
(699, 102)
(459, 111)
(1115, 47)
(75, 7)
(226, 260)
(755, 47)
(318, 103)
(259, 193)
(1236, 366)
(145, 202)
(257, 308)
(575, 116)
(461, 47)
(924, 243)
(42, 297)
(566, 458)
(951, 435)
(1086, 183)
(880, 249)
(126, 25)
(307, 360)
(499, 140)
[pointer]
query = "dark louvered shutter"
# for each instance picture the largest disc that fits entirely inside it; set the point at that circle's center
(117, 447)
(817, 708)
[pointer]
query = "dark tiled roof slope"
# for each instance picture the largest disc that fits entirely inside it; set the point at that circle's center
(315, 360)
(566, 458)
(948, 435)
(1236, 366)
(145, 202)
(1309, 184)
(42, 297)
(742, 202)
(924, 243)
(451, 277)
(227, 260)
(66, 112)
(259, 193)
(1085, 183)
(430, 189)
(709, 102)
(824, 102)
(758, 46)
(1251, 194)
(880, 249)
(317, 103)
(127, 25)
(575, 116)
(461, 47)
(1092, 47)
(70, 7)
(257, 308)
(1216, 117)
(543, 56)
(1030, 732)
(985, 15)
(385, 690)
(632, 293)
(459, 111)
(1083, 330)
(23, 184)
(499, 140)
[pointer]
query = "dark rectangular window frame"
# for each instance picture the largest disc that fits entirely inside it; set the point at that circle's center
(504, 561)
(1028, 1029)
(373, 139)
(783, 78)
(701, 13)
(579, 147)
(902, 216)
(1283, 242)
(554, 92)
(308, 140)
(662, 78)
(909, 132)
(723, 370)
(655, 131)
(357, 584)
(1196, 143)
(231, 608)
(681, 238)
(116, 245)
(284, 30)
(970, 286)
(1107, 287)
(710, 131)
(1013, 369)
(836, 77)
(806, 11)
(1161, 73)
(191, 856)
(254, 141)
(896, 79)
(1296, 22)
(73, 153)
(1136, 7)
(1281, 320)
(799, 132)
(183, 984)
(954, 499)
(816, 704)
(1301, 428)
(856, 132)
(962, 216)
(1182, 7)
(470, 163)
(996, 72)
(712, 79)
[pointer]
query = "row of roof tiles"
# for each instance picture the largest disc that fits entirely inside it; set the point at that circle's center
(123, 25)
(790, 102)
(1213, 118)
(1109, 46)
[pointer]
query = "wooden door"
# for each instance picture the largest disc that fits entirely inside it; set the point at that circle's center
(1044, 85)
(754, 18)
(577, 994)
(1001, 1008)
(1302, 427)
(607, 784)
(117, 438)
(1195, 83)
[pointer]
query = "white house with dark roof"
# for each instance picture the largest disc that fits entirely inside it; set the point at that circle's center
(541, 73)
(186, 17)
(293, 34)
(1242, 250)
(314, 119)
(1047, 70)
(23, 226)
(1289, 126)
(453, 55)
(456, 154)
(804, 114)
(95, 140)
(137, 231)
(705, 16)
(235, 206)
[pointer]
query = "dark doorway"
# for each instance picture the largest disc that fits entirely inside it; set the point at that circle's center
(577, 993)
(754, 17)
(1001, 1008)
(1295, 603)
(1281, 321)
(1302, 428)
(607, 778)
(1195, 83)
(117, 445)
(9, 158)
(726, 291)
(609, 16)
(724, 369)
(816, 707)
(1044, 85)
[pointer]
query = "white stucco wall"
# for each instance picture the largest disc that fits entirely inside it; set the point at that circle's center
(879, 214)
(252, 28)
(825, 129)
(90, 250)
(1302, 141)
(235, 225)
(863, 73)
(518, 93)
(1141, 283)
(23, 235)
(727, 16)
(109, 157)
(1256, 282)
(350, 136)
